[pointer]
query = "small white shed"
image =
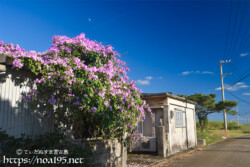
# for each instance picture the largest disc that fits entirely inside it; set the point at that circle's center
(172, 128)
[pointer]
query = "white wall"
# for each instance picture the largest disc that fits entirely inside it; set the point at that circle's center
(179, 136)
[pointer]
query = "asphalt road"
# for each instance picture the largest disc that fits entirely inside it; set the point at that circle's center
(234, 152)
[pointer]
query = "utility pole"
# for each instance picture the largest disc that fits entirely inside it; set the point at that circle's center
(247, 121)
(237, 114)
(222, 89)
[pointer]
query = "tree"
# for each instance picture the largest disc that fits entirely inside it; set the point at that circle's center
(83, 85)
(206, 104)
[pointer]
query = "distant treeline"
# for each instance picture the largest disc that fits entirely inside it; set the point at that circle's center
(218, 125)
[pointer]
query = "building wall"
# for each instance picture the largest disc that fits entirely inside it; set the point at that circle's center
(16, 115)
(150, 146)
(178, 138)
(181, 138)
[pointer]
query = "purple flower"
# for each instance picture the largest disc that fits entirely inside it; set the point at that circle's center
(93, 109)
(81, 107)
(39, 80)
(17, 63)
(106, 103)
(76, 103)
(76, 60)
(110, 107)
(69, 73)
(59, 66)
(52, 100)
(27, 98)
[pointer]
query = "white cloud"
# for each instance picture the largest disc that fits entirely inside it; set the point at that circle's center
(243, 54)
(235, 87)
(246, 94)
(147, 80)
(196, 72)
(207, 72)
(149, 77)
(160, 77)
(243, 86)
(187, 72)
(143, 82)
(219, 88)
(89, 19)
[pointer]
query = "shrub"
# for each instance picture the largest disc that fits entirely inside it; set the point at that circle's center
(233, 126)
(83, 85)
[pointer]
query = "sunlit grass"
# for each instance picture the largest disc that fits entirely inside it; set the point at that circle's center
(214, 131)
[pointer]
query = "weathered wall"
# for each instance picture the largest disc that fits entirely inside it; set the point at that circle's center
(149, 146)
(104, 153)
(178, 138)
(181, 138)
(191, 126)
(16, 115)
(158, 114)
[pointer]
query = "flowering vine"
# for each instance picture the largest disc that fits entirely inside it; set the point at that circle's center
(84, 86)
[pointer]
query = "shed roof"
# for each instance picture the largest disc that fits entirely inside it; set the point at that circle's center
(166, 94)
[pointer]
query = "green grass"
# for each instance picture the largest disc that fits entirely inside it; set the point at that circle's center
(213, 136)
(219, 125)
(209, 136)
(214, 131)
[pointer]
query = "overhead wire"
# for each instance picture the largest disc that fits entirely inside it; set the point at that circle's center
(226, 49)
(231, 65)
(234, 25)
(230, 85)
(239, 30)
(228, 28)
(237, 97)
(234, 64)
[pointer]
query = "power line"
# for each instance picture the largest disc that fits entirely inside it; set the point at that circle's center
(235, 41)
(234, 26)
(246, 35)
(241, 47)
(228, 28)
(238, 33)
(230, 85)
(238, 97)
(244, 73)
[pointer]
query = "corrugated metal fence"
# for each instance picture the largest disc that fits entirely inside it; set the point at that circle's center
(16, 115)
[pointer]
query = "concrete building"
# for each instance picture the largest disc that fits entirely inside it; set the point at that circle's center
(172, 128)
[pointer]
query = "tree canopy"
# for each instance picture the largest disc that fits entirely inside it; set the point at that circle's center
(206, 104)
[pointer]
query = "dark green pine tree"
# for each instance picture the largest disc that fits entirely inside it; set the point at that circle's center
(206, 104)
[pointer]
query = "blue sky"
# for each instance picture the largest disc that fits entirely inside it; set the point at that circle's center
(170, 46)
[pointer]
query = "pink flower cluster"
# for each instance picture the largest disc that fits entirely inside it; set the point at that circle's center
(69, 77)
